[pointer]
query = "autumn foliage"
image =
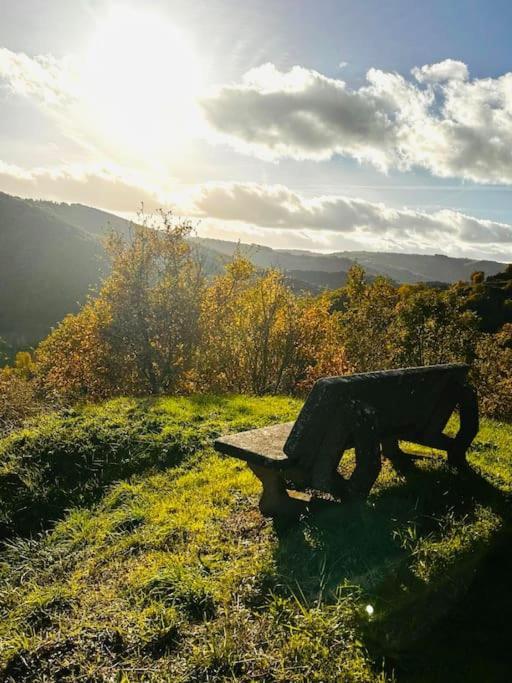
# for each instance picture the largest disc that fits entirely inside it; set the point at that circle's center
(258, 337)
(493, 373)
(74, 361)
(159, 325)
(18, 395)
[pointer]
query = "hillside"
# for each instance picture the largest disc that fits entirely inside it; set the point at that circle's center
(92, 221)
(51, 255)
(173, 575)
(47, 266)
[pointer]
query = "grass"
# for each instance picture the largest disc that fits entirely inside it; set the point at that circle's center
(63, 460)
(171, 574)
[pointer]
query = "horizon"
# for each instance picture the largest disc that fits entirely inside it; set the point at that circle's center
(317, 252)
(323, 129)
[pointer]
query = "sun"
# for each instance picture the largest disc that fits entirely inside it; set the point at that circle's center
(141, 81)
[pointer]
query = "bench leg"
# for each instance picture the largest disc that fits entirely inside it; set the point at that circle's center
(468, 410)
(368, 453)
(325, 475)
(275, 501)
(324, 472)
(391, 449)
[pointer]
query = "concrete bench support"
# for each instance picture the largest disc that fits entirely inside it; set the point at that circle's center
(369, 412)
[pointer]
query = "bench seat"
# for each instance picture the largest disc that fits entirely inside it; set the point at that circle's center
(259, 446)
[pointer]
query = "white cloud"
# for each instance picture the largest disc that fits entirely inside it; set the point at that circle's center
(97, 186)
(449, 69)
(278, 207)
(48, 80)
(440, 120)
(270, 213)
(303, 115)
(445, 123)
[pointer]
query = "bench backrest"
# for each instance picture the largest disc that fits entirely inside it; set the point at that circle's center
(406, 401)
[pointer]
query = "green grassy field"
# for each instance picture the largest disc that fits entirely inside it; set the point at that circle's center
(133, 552)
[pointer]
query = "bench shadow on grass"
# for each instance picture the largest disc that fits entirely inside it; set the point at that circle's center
(457, 626)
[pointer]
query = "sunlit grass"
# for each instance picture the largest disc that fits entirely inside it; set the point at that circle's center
(174, 575)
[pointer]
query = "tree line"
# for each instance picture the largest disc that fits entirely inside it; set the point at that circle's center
(158, 325)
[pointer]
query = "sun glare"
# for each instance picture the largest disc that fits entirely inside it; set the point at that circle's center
(141, 80)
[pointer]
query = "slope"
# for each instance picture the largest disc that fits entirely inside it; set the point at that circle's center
(174, 575)
(47, 266)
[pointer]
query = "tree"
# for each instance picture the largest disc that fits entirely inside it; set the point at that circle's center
(432, 327)
(140, 333)
(493, 373)
(258, 337)
(367, 316)
(153, 295)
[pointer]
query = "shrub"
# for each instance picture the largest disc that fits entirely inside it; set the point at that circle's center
(140, 333)
(493, 373)
(74, 361)
(153, 296)
(17, 399)
(432, 327)
(367, 318)
(384, 326)
(18, 395)
(259, 337)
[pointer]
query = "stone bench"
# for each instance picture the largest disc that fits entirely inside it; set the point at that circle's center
(369, 412)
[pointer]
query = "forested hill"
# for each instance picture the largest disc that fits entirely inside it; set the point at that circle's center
(51, 255)
(93, 221)
(47, 265)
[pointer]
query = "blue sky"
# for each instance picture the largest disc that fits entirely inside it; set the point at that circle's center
(322, 125)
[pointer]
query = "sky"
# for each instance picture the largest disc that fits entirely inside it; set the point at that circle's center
(322, 125)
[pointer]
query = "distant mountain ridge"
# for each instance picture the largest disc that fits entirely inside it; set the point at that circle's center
(51, 255)
(424, 267)
(399, 267)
